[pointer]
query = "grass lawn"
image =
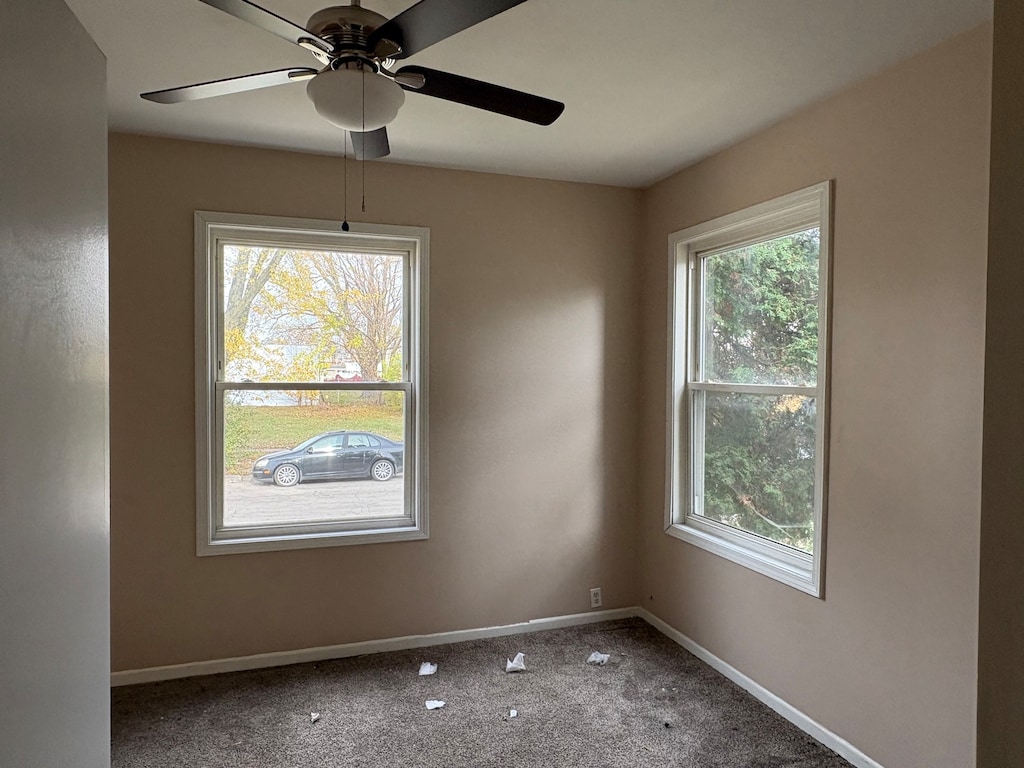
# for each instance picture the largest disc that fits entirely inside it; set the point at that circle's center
(253, 430)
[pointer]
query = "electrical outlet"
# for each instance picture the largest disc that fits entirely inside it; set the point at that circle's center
(595, 597)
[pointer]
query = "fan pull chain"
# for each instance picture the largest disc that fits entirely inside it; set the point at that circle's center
(362, 164)
(344, 184)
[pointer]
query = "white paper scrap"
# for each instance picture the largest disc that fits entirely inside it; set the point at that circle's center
(518, 664)
(314, 716)
(434, 704)
(426, 668)
(513, 713)
(599, 658)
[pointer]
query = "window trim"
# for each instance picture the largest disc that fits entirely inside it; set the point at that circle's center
(784, 215)
(210, 228)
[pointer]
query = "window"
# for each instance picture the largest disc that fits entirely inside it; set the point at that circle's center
(748, 389)
(311, 393)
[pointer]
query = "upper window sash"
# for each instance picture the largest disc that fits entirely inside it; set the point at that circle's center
(703, 266)
(388, 245)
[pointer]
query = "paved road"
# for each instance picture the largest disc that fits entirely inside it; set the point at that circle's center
(248, 502)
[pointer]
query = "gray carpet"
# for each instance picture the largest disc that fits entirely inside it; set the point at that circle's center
(653, 704)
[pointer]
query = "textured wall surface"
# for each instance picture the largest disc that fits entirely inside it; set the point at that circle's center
(54, 590)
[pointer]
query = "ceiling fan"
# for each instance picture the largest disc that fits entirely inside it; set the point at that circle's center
(357, 88)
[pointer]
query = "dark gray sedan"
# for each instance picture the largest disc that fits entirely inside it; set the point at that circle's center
(333, 456)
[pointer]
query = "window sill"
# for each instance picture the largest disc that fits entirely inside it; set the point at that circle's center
(225, 544)
(792, 569)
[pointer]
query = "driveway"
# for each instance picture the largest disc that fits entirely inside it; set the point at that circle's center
(247, 502)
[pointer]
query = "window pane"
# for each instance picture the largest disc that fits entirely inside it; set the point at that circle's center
(760, 312)
(284, 464)
(294, 315)
(758, 464)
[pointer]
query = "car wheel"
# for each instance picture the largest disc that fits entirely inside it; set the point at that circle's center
(382, 469)
(286, 475)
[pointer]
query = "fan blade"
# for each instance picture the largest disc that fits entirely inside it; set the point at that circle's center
(229, 85)
(371, 145)
(475, 93)
(271, 22)
(431, 21)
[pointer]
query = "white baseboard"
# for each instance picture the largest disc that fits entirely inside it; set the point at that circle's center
(303, 655)
(811, 727)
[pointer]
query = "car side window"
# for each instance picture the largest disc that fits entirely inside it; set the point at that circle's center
(358, 441)
(326, 444)
(373, 441)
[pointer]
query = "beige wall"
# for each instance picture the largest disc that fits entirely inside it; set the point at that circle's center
(887, 660)
(1001, 625)
(533, 365)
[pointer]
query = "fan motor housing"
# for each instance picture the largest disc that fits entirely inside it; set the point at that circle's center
(347, 26)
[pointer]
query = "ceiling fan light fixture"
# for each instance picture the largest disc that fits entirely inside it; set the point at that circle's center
(354, 99)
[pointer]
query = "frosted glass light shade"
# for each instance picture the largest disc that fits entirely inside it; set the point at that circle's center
(338, 96)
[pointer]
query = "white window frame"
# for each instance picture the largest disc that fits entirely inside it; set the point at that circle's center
(791, 213)
(212, 229)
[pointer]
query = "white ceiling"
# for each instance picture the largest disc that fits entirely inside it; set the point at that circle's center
(650, 86)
